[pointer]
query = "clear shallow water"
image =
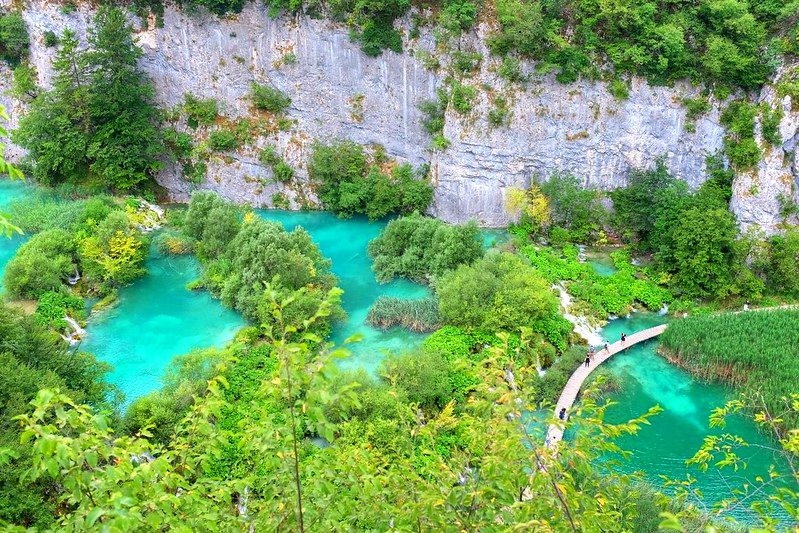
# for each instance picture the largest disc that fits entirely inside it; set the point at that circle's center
(344, 242)
(677, 433)
(11, 190)
(155, 319)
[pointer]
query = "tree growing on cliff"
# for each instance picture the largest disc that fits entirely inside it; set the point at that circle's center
(99, 121)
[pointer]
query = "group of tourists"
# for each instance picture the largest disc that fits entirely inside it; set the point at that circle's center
(588, 357)
(590, 354)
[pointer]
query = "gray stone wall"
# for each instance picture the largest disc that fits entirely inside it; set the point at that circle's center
(579, 128)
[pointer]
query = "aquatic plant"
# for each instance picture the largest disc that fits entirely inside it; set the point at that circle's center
(755, 352)
(414, 314)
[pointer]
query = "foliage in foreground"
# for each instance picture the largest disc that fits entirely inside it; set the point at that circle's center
(237, 459)
(754, 351)
(421, 248)
(35, 358)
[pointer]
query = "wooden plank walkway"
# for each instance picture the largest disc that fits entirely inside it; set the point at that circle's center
(569, 394)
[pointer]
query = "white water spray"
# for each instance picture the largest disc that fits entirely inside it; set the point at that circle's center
(581, 325)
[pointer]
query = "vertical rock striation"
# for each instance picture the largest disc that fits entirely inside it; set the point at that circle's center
(337, 91)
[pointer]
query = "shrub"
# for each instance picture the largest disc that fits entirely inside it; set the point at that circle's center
(497, 293)
(499, 114)
(619, 89)
(347, 184)
(223, 141)
(281, 171)
(269, 98)
(696, 107)
(280, 201)
(169, 242)
(50, 39)
(24, 85)
(53, 306)
(462, 96)
(739, 142)
(458, 15)
(200, 112)
(419, 315)
(466, 62)
(179, 143)
(434, 112)
(511, 70)
(421, 248)
(770, 123)
(41, 265)
(14, 39)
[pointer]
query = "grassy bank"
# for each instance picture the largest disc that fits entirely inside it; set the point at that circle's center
(756, 352)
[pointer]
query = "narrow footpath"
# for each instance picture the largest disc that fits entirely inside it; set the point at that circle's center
(575, 383)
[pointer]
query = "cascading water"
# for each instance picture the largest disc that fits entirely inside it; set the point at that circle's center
(74, 332)
(582, 326)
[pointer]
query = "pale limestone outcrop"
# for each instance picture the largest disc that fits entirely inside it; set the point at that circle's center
(579, 128)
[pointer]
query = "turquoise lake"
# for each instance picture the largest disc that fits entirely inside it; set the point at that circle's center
(10, 191)
(675, 434)
(344, 242)
(156, 319)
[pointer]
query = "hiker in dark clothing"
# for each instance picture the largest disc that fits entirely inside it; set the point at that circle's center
(623, 337)
(587, 360)
(562, 414)
(607, 348)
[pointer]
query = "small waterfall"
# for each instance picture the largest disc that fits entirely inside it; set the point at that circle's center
(154, 214)
(538, 368)
(664, 310)
(581, 253)
(72, 280)
(581, 325)
(76, 334)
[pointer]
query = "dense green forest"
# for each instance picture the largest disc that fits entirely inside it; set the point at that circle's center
(272, 431)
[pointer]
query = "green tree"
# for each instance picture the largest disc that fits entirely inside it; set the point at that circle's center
(703, 252)
(421, 248)
(99, 120)
(497, 293)
(14, 39)
(42, 264)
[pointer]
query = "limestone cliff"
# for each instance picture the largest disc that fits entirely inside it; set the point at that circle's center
(337, 91)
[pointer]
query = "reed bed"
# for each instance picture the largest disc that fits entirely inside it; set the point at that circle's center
(756, 352)
(420, 315)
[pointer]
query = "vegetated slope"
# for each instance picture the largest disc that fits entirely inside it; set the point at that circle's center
(757, 352)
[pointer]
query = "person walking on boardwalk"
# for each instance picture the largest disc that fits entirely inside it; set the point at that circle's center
(607, 348)
(623, 337)
(587, 359)
(562, 414)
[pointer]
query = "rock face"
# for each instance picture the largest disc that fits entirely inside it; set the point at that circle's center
(337, 91)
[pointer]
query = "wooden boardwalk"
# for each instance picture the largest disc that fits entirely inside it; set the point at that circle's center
(569, 394)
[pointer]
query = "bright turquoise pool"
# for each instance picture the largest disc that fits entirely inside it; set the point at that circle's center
(156, 319)
(11, 190)
(677, 433)
(344, 242)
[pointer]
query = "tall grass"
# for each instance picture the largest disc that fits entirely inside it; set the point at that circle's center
(757, 352)
(419, 315)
